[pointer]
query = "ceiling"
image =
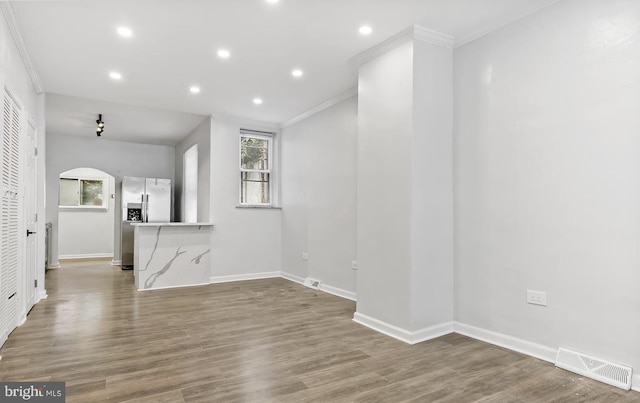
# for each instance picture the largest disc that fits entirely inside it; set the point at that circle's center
(73, 46)
(74, 116)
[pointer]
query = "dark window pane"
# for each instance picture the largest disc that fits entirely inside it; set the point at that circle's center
(91, 193)
(254, 153)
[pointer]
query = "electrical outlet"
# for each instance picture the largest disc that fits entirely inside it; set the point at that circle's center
(537, 297)
(305, 256)
(354, 265)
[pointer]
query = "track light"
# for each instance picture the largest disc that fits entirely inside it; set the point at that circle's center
(100, 127)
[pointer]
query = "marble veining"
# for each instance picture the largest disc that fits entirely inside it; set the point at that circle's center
(152, 278)
(155, 247)
(172, 256)
(196, 259)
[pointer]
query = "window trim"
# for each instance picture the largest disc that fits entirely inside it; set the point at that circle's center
(105, 195)
(190, 151)
(270, 138)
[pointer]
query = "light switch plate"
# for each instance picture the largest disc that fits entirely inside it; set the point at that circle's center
(537, 297)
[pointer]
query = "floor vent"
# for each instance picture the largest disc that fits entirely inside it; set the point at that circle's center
(595, 368)
(311, 283)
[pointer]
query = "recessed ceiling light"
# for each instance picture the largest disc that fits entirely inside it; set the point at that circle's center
(125, 32)
(223, 53)
(257, 101)
(115, 75)
(272, 1)
(194, 89)
(297, 73)
(365, 30)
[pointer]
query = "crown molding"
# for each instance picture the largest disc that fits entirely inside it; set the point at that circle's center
(491, 28)
(351, 92)
(245, 123)
(414, 32)
(12, 23)
(425, 34)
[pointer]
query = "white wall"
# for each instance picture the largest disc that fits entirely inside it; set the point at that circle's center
(432, 251)
(13, 72)
(244, 240)
(385, 123)
(14, 76)
(113, 157)
(319, 187)
(87, 232)
(547, 178)
(202, 137)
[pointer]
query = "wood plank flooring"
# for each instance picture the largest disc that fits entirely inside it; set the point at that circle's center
(255, 341)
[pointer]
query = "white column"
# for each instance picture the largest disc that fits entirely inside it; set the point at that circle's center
(405, 199)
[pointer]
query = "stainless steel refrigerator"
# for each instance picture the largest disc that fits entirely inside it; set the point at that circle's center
(143, 200)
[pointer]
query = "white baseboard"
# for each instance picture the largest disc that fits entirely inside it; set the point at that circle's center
(42, 295)
(292, 277)
(87, 256)
(432, 332)
(406, 336)
(116, 262)
(512, 343)
(338, 292)
(323, 287)
(539, 351)
(288, 276)
(55, 265)
(243, 277)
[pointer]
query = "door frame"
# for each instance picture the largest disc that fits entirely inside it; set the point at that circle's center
(30, 216)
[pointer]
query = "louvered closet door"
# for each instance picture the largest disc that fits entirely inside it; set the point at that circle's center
(9, 236)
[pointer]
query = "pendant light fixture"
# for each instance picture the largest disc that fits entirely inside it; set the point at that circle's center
(100, 127)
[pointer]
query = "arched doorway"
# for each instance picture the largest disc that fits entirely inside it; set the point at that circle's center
(86, 214)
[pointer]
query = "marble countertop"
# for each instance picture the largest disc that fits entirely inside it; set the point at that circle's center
(172, 224)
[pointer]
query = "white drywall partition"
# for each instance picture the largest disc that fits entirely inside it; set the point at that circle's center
(405, 196)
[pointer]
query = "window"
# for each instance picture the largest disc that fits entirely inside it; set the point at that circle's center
(78, 192)
(255, 169)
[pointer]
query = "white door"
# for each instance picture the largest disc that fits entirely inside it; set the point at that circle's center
(30, 217)
(10, 223)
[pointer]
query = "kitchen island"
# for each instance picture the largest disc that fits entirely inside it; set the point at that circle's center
(173, 254)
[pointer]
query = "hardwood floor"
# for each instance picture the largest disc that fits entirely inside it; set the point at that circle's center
(255, 341)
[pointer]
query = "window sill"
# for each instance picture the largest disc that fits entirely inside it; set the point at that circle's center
(83, 208)
(258, 206)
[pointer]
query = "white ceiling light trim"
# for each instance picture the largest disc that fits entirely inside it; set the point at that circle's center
(124, 32)
(224, 53)
(351, 92)
(414, 32)
(297, 73)
(365, 30)
(115, 75)
(14, 28)
(194, 89)
(257, 101)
